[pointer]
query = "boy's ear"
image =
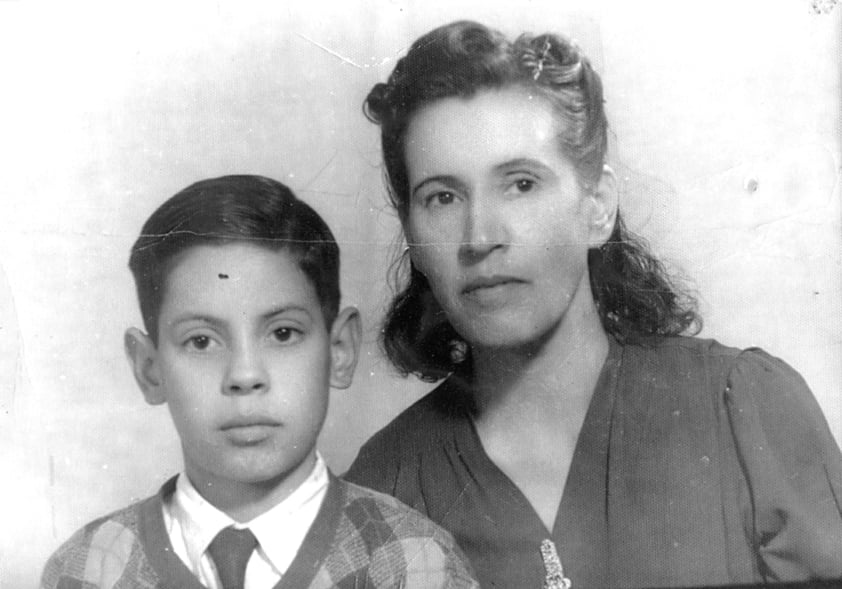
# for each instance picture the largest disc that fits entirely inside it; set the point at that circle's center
(345, 336)
(605, 201)
(143, 357)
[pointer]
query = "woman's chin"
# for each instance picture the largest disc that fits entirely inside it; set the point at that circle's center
(503, 335)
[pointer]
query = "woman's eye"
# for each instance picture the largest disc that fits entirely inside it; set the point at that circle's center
(286, 335)
(441, 198)
(524, 184)
(198, 343)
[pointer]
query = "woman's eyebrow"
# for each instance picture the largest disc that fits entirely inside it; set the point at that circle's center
(522, 162)
(446, 179)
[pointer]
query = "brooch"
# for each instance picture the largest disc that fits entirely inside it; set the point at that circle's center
(555, 578)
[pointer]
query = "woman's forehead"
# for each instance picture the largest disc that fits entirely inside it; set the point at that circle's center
(487, 129)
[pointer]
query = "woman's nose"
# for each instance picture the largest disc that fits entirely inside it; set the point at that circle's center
(246, 373)
(484, 230)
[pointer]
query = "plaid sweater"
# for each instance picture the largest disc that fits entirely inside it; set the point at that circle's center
(360, 539)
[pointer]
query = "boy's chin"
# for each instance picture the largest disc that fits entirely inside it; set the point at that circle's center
(289, 473)
(246, 490)
(239, 474)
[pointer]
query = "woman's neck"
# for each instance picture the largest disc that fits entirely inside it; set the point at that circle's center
(554, 375)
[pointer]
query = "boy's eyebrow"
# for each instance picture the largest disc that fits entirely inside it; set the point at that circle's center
(284, 309)
(270, 314)
(185, 317)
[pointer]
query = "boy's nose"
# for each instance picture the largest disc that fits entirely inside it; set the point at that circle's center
(245, 375)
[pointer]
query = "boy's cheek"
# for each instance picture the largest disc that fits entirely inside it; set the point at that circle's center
(185, 374)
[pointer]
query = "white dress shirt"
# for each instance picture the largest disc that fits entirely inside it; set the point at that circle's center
(192, 523)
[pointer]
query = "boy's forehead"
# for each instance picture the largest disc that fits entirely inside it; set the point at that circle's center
(236, 254)
(236, 273)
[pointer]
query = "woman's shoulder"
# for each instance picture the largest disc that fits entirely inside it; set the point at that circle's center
(736, 378)
(689, 354)
(426, 428)
(693, 401)
(427, 420)
(683, 345)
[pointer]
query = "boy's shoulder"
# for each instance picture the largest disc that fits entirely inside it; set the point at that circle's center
(391, 545)
(104, 551)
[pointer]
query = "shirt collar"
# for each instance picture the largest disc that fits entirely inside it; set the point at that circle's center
(280, 530)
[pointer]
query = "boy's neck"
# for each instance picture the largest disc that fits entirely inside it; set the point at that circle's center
(244, 501)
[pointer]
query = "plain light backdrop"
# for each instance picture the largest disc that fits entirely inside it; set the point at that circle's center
(725, 135)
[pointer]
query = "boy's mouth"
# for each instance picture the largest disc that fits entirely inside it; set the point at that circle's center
(249, 431)
(249, 421)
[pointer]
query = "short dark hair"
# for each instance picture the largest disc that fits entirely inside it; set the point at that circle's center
(634, 295)
(230, 209)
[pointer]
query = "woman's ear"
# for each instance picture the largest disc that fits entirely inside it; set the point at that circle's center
(143, 357)
(604, 213)
(345, 336)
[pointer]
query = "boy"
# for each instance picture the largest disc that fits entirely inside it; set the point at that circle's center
(238, 283)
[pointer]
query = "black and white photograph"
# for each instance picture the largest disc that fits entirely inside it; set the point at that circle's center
(384, 293)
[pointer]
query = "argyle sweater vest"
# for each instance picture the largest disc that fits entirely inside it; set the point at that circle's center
(360, 538)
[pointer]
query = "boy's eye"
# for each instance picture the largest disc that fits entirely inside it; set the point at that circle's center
(286, 335)
(199, 343)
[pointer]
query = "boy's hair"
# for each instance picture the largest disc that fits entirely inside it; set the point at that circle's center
(229, 209)
(634, 294)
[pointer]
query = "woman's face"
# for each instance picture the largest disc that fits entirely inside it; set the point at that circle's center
(497, 220)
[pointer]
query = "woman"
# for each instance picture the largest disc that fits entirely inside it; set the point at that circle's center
(577, 436)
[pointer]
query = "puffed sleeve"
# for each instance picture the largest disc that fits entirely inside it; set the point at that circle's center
(793, 468)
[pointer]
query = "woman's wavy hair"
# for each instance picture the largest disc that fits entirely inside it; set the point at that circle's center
(634, 294)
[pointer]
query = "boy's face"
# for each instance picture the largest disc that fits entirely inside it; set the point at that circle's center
(245, 361)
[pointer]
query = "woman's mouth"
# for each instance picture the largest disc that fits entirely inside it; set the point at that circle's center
(491, 288)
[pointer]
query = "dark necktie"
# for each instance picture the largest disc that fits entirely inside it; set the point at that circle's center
(230, 551)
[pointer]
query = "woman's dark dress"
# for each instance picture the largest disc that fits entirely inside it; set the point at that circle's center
(697, 464)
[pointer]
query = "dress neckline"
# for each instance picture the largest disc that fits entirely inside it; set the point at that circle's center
(580, 527)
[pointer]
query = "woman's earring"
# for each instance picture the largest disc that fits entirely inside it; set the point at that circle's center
(458, 351)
